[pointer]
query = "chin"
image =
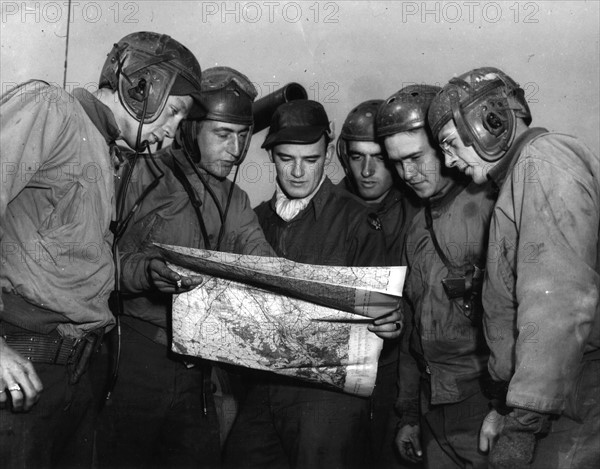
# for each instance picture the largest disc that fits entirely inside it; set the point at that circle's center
(423, 193)
(480, 178)
(296, 193)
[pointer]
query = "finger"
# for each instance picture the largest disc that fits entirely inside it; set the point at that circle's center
(388, 335)
(28, 394)
(33, 376)
(16, 397)
(3, 398)
(391, 317)
(31, 386)
(484, 444)
(410, 453)
(191, 282)
(386, 331)
(416, 444)
(159, 270)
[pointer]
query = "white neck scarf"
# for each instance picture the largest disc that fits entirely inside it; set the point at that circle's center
(288, 208)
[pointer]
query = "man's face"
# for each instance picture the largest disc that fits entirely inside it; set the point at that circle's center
(176, 109)
(221, 145)
(300, 167)
(456, 154)
(417, 162)
(368, 168)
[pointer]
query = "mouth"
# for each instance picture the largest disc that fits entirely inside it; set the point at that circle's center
(368, 184)
(416, 183)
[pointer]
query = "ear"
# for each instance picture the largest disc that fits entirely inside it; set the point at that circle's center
(270, 152)
(329, 152)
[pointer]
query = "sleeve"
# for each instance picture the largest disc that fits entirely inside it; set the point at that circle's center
(30, 124)
(557, 216)
(249, 236)
(136, 250)
(409, 376)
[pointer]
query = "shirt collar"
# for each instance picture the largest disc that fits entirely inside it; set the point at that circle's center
(318, 201)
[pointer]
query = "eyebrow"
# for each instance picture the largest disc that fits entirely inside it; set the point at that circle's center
(447, 136)
(182, 104)
(225, 128)
(365, 154)
(317, 155)
(410, 155)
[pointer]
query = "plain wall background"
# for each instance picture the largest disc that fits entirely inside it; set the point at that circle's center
(342, 52)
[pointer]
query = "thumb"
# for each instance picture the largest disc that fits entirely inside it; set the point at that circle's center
(484, 442)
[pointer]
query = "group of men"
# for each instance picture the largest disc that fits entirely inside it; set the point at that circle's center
(497, 223)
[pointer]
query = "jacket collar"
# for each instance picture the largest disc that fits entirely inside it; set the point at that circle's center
(100, 114)
(499, 172)
(393, 197)
(449, 193)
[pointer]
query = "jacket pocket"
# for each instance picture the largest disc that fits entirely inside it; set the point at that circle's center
(67, 234)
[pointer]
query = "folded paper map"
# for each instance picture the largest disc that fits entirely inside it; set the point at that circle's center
(299, 320)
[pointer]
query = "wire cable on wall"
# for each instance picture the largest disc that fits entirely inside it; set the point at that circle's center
(67, 44)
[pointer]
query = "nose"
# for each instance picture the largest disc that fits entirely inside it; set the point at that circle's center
(410, 171)
(367, 168)
(171, 126)
(449, 159)
(297, 170)
(234, 146)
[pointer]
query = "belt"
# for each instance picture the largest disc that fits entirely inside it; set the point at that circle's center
(43, 348)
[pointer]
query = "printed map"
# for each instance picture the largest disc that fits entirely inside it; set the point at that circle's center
(270, 327)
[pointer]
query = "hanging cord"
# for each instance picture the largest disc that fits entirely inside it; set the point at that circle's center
(222, 230)
(196, 203)
(206, 185)
(119, 229)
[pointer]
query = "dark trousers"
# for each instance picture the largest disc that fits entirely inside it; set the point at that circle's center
(156, 416)
(296, 426)
(57, 431)
(450, 434)
(571, 444)
(383, 419)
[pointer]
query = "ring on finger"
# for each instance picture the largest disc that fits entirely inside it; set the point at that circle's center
(14, 387)
(398, 325)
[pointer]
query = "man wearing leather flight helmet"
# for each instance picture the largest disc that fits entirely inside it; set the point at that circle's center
(192, 204)
(444, 247)
(541, 292)
(57, 159)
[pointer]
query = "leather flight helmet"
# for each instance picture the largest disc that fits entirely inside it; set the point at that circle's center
(405, 110)
(358, 126)
(227, 96)
(484, 104)
(145, 67)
